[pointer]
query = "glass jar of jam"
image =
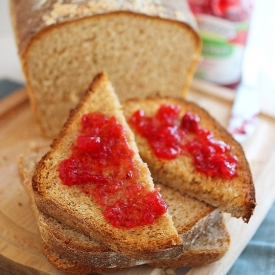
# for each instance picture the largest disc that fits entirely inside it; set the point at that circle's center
(223, 27)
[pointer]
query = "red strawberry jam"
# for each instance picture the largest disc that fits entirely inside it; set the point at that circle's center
(102, 165)
(170, 136)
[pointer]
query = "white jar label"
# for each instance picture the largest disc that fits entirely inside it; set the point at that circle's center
(223, 48)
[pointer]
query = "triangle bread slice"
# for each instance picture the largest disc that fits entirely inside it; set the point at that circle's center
(235, 196)
(200, 226)
(71, 206)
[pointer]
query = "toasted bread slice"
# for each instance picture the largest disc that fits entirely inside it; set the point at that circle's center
(235, 195)
(200, 226)
(70, 205)
(192, 218)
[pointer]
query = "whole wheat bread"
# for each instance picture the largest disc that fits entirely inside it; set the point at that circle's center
(73, 207)
(191, 218)
(209, 247)
(201, 227)
(61, 45)
(235, 196)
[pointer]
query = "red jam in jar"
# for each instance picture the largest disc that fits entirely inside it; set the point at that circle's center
(223, 28)
(102, 165)
(170, 136)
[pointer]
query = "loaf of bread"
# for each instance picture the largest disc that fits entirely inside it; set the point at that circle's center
(79, 210)
(200, 226)
(234, 195)
(146, 48)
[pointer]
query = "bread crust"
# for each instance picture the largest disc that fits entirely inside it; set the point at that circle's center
(39, 16)
(209, 247)
(235, 196)
(100, 256)
(72, 207)
(74, 267)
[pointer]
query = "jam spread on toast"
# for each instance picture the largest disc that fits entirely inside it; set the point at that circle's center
(102, 165)
(170, 136)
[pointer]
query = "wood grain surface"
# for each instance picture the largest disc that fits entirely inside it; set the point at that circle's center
(20, 247)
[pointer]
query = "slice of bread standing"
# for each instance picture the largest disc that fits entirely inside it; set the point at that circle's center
(77, 209)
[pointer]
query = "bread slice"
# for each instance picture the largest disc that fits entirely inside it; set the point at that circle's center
(78, 210)
(78, 247)
(235, 195)
(209, 247)
(201, 227)
(62, 45)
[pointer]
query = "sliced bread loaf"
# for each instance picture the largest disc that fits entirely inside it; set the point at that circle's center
(62, 45)
(204, 235)
(234, 194)
(72, 204)
(208, 248)
(192, 218)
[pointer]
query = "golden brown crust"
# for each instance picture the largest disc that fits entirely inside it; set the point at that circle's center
(72, 207)
(236, 196)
